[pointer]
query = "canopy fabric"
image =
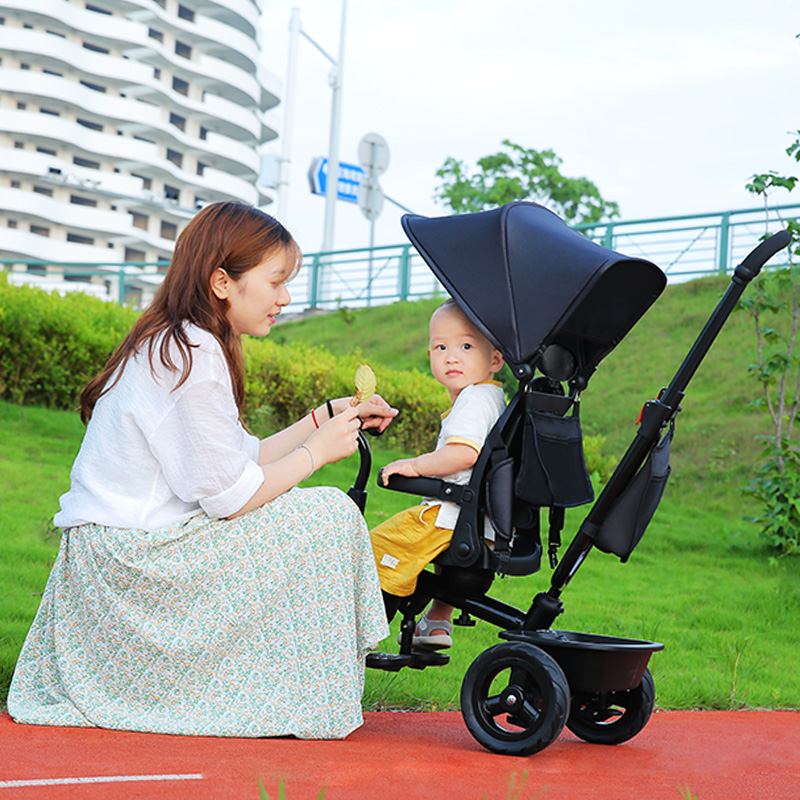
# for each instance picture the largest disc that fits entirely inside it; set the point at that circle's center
(527, 280)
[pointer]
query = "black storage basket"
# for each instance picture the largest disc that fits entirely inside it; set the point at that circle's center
(552, 470)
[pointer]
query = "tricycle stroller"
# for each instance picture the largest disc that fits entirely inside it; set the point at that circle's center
(555, 304)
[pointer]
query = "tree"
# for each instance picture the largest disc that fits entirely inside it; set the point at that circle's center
(774, 307)
(518, 173)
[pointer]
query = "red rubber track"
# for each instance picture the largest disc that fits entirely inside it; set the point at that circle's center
(403, 756)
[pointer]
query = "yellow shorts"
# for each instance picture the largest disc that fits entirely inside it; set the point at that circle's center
(405, 544)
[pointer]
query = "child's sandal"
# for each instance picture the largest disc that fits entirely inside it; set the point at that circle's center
(425, 639)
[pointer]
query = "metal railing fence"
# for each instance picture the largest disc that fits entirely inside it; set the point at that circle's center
(692, 245)
(685, 247)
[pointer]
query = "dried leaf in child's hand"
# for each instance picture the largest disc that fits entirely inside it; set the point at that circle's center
(365, 384)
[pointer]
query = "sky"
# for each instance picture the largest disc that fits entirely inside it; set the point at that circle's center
(668, 107)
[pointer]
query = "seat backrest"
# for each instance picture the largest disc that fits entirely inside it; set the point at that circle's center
(490, 492)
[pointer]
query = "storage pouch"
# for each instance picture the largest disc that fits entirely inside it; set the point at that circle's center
(552, 471)
(632, 511)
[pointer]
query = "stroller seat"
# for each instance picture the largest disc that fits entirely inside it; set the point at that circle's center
(466, 569)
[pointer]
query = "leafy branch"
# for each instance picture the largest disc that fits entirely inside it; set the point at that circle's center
(519, 173)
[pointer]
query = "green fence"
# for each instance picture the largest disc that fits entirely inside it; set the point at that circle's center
(129, 282)
(694, 244)
(685, 247)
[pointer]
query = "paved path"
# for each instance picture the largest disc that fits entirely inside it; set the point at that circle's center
(742, 755)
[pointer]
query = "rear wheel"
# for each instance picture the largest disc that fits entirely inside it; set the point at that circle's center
(515, 699)
(612, 717)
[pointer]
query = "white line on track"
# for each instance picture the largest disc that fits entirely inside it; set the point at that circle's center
(99, 779)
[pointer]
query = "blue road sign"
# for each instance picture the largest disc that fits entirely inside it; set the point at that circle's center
(350, 177)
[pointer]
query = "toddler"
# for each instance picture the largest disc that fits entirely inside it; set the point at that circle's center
(465, 363)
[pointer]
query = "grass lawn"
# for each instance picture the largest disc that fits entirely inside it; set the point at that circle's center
(701, 581)
(727, 615)
(37, 450)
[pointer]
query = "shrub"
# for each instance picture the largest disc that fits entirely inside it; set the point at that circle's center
(777, 488)
(596, 463)
(51, 346)
(295, 378)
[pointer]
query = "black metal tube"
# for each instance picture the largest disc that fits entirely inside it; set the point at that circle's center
(357, 492)
(490, 610)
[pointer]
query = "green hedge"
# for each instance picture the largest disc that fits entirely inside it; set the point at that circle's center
(51, 346)
(284, 381)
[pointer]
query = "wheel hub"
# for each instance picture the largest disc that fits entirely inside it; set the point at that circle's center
(512, 698)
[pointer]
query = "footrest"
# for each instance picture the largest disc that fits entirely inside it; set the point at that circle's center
(428, 658)
(417, 659)
(390, 662)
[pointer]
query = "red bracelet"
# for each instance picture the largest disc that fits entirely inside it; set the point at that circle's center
(314, 418)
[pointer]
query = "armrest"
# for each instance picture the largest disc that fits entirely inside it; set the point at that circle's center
(427, 487)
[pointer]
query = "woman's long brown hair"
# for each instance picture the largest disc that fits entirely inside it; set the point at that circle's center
(231, 235)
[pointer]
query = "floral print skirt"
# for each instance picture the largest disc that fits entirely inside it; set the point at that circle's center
(256, 626)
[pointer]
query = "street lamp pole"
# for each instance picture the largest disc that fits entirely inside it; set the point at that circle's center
(288, 116)
(332, 181)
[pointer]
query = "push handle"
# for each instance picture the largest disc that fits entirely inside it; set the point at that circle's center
(756, 259)
(547, 605)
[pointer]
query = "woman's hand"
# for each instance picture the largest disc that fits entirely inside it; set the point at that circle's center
(292, 455)
(337, 438)
(376, 413)
(373, 413)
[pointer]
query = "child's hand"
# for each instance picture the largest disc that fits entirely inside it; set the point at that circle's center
(403, 466)
(445, 461)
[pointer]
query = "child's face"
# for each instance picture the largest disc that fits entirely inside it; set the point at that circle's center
(459, 354)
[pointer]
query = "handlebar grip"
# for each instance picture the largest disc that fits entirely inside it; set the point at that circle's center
(752, 263)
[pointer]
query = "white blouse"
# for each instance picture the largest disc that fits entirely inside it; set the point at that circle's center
(154, 455)
(468, 421)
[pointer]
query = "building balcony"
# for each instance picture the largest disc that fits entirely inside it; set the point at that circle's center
(66, 18)
(241, 14)
(49, 211)
(205, 35)
(28, 165)
(216, 149)
(60, 55)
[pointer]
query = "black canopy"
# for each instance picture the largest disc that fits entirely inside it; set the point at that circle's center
(527, 280)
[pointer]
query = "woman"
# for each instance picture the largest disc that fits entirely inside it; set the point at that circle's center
(196, 590)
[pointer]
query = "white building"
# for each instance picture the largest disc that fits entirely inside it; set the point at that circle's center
(120, 118)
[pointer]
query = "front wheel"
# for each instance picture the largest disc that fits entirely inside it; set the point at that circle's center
(612, 717)
(515, 699)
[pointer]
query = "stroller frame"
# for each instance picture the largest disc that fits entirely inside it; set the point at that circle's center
(598, 686)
